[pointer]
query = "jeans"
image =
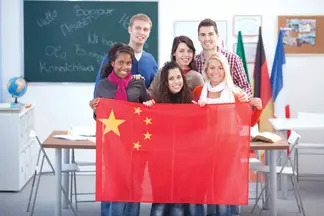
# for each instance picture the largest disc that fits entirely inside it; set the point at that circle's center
(235, 210)
(196, 210)
(159, 209)
(218, 210)
(120, 209)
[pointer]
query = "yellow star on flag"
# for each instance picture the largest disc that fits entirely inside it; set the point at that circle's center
(137, 110)
(147, 135)
(111, 124)
(137, 145)
(148, 121)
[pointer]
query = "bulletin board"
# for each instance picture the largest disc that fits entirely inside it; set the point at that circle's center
(302, 34)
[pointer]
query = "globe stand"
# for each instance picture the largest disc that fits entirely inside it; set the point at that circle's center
(16, 99)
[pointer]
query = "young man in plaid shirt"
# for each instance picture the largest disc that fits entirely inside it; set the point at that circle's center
(208, 36)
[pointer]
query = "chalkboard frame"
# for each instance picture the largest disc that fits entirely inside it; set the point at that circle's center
(60, 67)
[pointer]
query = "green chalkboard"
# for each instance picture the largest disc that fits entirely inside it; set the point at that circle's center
(65, 41)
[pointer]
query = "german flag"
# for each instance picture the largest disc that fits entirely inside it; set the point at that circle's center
(262, 86)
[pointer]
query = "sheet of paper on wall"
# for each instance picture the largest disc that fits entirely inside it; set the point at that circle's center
(264, 137)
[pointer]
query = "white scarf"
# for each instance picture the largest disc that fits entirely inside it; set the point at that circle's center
(226, 96)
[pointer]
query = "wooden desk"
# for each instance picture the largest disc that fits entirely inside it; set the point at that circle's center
(59, 144)
(52, 142)
(280, 145)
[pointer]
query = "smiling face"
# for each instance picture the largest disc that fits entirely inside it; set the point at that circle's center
(122, 65)
(183, 55)
(207, 37)
(215, 72)
(175, 80)
(139, 32)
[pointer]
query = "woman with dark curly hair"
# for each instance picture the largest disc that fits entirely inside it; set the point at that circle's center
(172, 88)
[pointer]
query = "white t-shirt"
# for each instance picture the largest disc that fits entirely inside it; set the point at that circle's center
(138, 55)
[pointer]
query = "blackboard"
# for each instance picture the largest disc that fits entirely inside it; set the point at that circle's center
(65, 41)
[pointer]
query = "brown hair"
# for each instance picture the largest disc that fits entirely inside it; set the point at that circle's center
(189, 43)
(206, 23)
(164, 94)
(140, 16)
(113, 53)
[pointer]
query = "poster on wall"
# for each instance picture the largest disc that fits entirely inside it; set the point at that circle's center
(302, 34)
(247, 24)
(298, 32)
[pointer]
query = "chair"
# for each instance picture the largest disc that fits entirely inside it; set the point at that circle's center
(66, 168)
(310, 118)
(287, 169)
(256, 162)
(81, 164)
(88, 131)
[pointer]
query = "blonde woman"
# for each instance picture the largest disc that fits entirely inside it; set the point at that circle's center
(219, 88)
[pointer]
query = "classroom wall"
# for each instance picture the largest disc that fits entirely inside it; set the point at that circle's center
(61, 105)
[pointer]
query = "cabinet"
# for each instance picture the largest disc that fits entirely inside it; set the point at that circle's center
(18, 151)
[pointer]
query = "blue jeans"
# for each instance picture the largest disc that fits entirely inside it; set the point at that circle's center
(159, 209)
(196, 209)
(218, 210)
(120, 209)
(235, 210)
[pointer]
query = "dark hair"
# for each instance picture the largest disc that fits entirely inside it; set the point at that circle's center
(206, 23)
(189, 43)
(113, 53)
(164, 94)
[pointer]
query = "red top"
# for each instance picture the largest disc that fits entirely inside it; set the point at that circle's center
(186, 71)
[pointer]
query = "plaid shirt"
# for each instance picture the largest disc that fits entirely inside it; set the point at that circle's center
(236, 67)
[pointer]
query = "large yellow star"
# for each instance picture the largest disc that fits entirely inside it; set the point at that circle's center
(148, 121)
(136, 145)
(111, 124)
(137, 110)
(147, 135)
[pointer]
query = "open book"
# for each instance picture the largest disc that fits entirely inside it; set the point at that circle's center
(264, 136)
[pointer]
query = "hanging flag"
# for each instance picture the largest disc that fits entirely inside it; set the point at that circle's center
(281, 108)
(172, 153)
(240, 52)
(262, 86)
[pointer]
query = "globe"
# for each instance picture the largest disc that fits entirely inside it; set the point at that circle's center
(17, 87)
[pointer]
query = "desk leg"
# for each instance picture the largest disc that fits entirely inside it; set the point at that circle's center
(58, 179)
(267, 180)
(273, 184)
(66, 160)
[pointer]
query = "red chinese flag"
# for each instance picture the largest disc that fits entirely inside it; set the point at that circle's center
(172, 153)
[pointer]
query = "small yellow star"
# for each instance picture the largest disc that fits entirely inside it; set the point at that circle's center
(111, 124)
(147, 136)
(136, 145)
(137, 110)
(148, 121)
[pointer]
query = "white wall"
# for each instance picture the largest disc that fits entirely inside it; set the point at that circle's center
(60, 105)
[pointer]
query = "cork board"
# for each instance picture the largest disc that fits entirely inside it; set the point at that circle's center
(302, 34)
